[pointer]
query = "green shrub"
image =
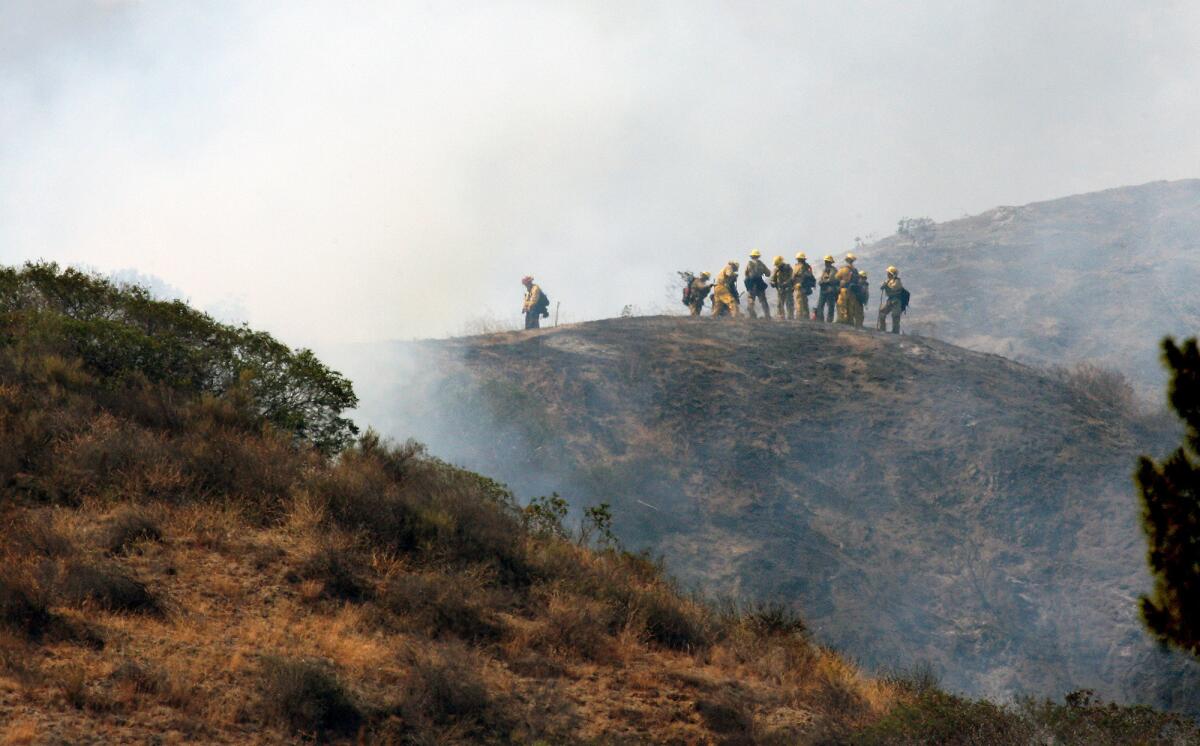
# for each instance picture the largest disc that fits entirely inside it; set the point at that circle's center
(122, 332)
(937, 717)
(407, 502)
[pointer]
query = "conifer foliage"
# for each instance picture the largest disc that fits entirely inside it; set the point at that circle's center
(1170, 495)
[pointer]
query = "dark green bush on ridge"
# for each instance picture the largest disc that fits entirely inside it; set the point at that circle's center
(122, 331)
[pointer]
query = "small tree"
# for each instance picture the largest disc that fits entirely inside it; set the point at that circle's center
(918, 230)
(1170, 495)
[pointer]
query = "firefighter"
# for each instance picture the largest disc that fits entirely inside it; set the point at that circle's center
(756, 286)
(725, 295)
(803, 282)
(537, 304)
(827, 300)
(698, 291)
(848, 306)
(782, 281)
(895, 297)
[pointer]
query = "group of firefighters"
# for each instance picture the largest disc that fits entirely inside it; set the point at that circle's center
(843, 291)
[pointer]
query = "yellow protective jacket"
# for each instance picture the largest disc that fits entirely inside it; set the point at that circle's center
(756, 269)
(800, 272)
(892, 287)
(725, 288)
(532, 296)
(829, 279)
(781, 278)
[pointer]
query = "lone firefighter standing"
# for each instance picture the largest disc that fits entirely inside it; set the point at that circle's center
(537, 304)
(895, 300)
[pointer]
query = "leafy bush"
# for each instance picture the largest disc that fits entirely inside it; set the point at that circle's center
(440, 604)
(306, 696)
(22, 607)
(673, 621)
(1109, 388)
(122, 331)
(578, 627)
(127, 527)
(728, 717)
(937, 717)
(106, 586)
(445, 689)
(338, 574)
(772, 618)
(404, 501)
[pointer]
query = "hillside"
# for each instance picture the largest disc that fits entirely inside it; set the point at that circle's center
(194, 548)
(915, 500)
(1095, 277)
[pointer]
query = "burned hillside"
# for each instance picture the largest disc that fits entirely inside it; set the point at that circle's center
(915, 500)
(1098, 277)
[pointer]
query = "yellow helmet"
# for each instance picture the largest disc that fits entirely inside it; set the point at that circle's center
(863, 274)
(778, 260)
(893, 271)
(755, 254)
(829, 258)
(851, 258)
(704, 275)
(801, 257)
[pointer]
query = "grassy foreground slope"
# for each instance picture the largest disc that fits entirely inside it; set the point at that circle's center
(179, 565)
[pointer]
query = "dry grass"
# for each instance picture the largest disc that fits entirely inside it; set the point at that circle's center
(173, 570)
(241, 655)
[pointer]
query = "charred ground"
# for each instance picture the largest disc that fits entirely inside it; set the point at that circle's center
(916, 500)
(1098, 277)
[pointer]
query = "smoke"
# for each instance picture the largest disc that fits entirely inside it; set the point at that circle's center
(363, 171)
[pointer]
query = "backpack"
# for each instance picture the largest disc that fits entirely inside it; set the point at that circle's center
(860, 292)
(688, 279)
(904, 296)
(543, 304)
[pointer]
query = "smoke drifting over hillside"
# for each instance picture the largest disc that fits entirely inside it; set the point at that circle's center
(916, 501)
(374, 170)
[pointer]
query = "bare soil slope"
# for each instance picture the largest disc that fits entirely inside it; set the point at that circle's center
(917, 500)
(1098, 277)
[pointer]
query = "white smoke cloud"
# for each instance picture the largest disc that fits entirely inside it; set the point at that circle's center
(357, 171)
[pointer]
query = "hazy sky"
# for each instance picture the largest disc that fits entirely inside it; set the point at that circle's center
(358, 170)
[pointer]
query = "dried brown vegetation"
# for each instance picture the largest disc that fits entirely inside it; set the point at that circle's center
(175, 568)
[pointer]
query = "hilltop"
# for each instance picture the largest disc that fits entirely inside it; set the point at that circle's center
(1098, 277)
(915, 500)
